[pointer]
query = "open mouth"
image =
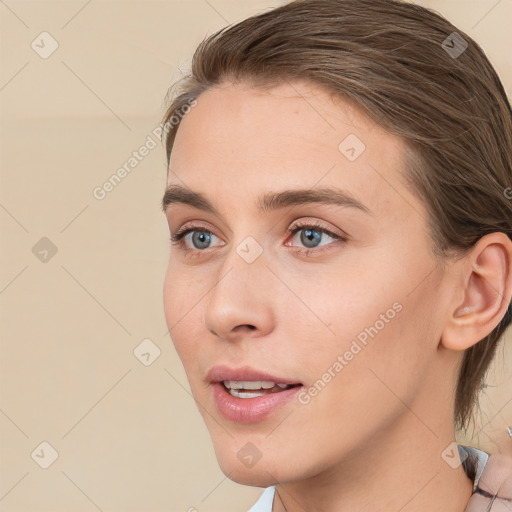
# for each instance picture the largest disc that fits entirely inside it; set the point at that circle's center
(248, 395)
(254, 389)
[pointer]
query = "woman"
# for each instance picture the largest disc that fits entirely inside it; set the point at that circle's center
(340, 271)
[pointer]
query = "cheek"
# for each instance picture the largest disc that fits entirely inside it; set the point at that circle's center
(171, 293)
(358, 382)
(373, 319)
(182, 313)
(348, 303)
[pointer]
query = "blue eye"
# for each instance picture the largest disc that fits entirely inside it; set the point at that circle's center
(201, 237)
(311, 237)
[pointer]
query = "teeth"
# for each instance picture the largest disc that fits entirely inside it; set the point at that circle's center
(253, 389)
(243, 384)
(245, 394)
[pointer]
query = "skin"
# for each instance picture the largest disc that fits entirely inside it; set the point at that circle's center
(372, 439)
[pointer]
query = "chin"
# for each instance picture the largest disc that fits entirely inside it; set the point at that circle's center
(263, 472)
(243, 463)
(251, 477)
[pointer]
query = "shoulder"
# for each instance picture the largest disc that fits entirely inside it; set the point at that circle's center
(493, 489)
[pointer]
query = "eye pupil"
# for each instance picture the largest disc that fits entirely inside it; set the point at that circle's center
(201, 237)
(310, 235)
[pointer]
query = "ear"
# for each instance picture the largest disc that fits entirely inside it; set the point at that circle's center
(485, 285)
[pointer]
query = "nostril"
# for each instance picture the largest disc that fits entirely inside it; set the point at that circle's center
(245, 326)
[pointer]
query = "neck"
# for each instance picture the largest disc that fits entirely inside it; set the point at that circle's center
(401, 468)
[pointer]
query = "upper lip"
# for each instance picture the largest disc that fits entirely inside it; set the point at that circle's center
(245, 373)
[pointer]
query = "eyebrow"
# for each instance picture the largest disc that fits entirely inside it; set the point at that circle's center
(268, 201)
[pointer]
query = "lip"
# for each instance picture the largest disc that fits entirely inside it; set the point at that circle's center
(248, 410)
(246, 373)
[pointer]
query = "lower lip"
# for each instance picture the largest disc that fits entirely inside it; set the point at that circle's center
(250, 410)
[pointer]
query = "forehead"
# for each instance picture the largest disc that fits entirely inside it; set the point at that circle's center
(239, 141)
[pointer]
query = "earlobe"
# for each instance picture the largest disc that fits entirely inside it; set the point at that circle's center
(486, 288)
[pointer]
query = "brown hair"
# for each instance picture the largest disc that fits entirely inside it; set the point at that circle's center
(402, 64)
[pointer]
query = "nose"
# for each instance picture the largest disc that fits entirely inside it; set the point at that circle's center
(239, 305)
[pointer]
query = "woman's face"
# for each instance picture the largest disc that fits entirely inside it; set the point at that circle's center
(339, 301)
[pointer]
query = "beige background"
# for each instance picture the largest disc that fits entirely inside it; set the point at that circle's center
(128, 436)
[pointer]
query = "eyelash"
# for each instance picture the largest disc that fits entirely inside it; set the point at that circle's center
(178, 238)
